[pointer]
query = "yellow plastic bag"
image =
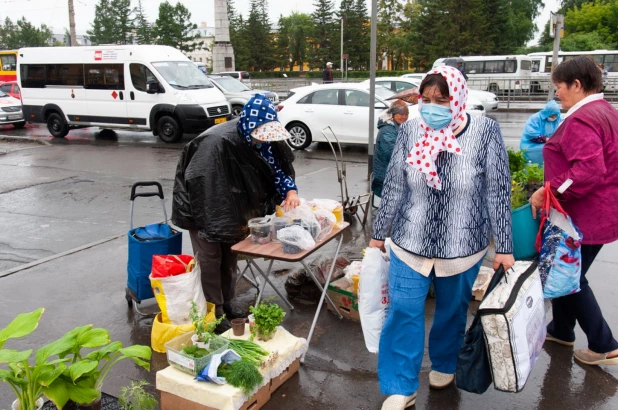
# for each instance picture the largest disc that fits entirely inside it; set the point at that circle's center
(163, 332)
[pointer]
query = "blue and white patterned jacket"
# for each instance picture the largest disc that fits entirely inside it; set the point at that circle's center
(473, 205)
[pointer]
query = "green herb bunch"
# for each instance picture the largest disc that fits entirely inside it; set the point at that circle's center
(248, 351)
(241, 374)
(135, 397)
(518, 195)
(517, 160)
(203, 331)
(530, 173)
(267, 317)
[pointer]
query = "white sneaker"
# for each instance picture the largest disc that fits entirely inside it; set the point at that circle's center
(439, 380)
(398, 402)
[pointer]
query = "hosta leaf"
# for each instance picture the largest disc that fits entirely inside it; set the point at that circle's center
(76, 370)
(140, 351)
(14, 356)
(47, 378)
(94, 338)
(57, 392)
(110, 349)
(22, 325)
(82, 394)
(141, 363)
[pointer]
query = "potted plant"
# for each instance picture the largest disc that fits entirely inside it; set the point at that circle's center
(135, 397)
(61, 371)
(526, 179)
(266, 316)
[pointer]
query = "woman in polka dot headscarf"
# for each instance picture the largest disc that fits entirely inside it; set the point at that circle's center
(446, 194)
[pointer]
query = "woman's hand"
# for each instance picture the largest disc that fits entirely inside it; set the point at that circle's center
(291, 201)
(505, 260)
(536, 200)
(374, 243)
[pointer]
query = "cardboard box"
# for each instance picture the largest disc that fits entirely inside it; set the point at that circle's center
(344, 298)
(260, 398)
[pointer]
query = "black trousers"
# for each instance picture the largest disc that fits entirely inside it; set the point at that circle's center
(582, 307)
(218, 269)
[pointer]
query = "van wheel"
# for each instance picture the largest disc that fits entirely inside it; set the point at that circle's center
(169, 130)
(300, 136)
(57, 125)
(236, 110)
(19, 125)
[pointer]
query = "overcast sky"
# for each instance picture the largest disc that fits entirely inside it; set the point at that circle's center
(54, 13)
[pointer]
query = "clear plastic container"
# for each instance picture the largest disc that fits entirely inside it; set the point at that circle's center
(260, 230)
(278, 224)
(189, 364)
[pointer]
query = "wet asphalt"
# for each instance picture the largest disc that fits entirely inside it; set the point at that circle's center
(64, 213)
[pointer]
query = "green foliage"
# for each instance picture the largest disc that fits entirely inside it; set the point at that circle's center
(196, 352)
(292, 47)
(585, 42)
(518, 195)
(517, 160)
(238, 38)
(267, 317)
(276, 74)
(23, 34)
(135, 397)
(524, 176)
(203, 330)
(144, 32)
(362, 74)
(173, 28)
(257, 30)
(61, 370)
(248, 350)
(590, 25)
(325, 36)
(113, 22)
(241, 374)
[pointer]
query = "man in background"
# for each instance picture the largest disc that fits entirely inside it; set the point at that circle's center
(327, 74)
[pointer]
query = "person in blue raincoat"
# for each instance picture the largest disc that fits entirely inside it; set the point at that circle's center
(388, 127)
(539, 128)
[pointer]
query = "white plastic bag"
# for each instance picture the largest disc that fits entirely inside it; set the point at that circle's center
(327, 221)
(304, 215)
(295, 239)
(174, 295)
(373, 297)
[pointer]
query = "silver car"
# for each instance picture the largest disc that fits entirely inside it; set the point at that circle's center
(238, 93)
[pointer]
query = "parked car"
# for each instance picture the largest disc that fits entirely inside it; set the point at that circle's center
(10, 111)
(476, 99)
(343, 107)
(237, 93)
(241, 76)
(11, 88)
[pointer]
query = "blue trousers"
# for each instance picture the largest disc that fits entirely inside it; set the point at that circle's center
(402, 342)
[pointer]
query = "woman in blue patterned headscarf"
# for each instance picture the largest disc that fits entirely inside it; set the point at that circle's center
(260, 126)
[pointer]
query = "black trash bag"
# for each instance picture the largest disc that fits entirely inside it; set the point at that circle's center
(473, 368)
(221, 182)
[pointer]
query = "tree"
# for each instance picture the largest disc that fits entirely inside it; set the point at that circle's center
(123, 21)
(173, 28)
(358, 32)
(103, 26)
(143, 29)
(23, 34)
(292, 44)
(258, 32)
(324, 39)
(584, 42)
(599, 17)
(238, 38)
(389, 21)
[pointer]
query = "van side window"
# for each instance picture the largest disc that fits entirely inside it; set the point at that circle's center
(9, 62)
(140, 76)
(104, 76)
(32, 76)
(65, 74)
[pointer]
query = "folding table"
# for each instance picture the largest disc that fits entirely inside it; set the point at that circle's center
(273, 251)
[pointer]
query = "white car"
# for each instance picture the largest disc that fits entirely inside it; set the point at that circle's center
(488, 100)
(475, 105)
(343, 107)
(10, 111)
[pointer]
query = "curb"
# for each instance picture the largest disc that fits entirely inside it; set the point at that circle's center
(10, 138)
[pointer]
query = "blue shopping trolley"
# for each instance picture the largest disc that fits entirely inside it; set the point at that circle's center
(144, 242)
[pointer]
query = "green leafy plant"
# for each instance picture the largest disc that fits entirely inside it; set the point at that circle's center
(267, 317)
(531, 173)
(135, 397)
(195, 351)
(518, 195)
(203, 330)
(241, 374)
(517, 160)
(248, 350)
(61, 370)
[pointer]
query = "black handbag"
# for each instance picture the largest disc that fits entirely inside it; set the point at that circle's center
(473, 369)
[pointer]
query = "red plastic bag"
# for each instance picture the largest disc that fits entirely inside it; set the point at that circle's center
(164, 266)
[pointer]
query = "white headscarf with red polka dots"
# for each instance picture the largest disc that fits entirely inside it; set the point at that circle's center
(426, 150)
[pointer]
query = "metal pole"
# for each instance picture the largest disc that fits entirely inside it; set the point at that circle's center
(341, 65)
(72, 24)
(372, 84)
(559, 19)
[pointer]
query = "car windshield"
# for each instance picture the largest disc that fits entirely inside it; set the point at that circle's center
(231, 84)
(182, 75)
(384, 92)
(3, 94)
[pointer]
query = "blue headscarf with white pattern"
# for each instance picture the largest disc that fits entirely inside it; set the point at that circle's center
(259, 111)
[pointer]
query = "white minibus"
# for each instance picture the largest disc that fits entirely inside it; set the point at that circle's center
(139, 87)
(494, 73)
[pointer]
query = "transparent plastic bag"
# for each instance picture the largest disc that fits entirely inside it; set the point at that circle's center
(295, 239)
(327, 222)
(305, 217)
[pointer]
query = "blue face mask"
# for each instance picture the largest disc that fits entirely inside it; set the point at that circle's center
(436, 116)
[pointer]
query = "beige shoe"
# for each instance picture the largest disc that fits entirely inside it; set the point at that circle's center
(398, 402)
(439, 380)
(550, 338)
(587, 356)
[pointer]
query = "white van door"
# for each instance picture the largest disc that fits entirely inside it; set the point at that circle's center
(106, 93)
(139, 102)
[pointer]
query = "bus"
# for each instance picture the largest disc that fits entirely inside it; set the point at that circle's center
(494, 73)
(9, 65)
(541, 65)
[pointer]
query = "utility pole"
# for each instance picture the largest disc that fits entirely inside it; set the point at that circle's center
(72, 24)
(557, 24)
(341, 65)
(372, 83)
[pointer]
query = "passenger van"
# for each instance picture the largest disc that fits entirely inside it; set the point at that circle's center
(494, 73)
(139, 87)
(8, 60)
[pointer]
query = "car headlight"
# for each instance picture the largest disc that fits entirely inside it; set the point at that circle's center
(491, 99)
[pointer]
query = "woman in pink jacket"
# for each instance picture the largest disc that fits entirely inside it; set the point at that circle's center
(581, 163)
